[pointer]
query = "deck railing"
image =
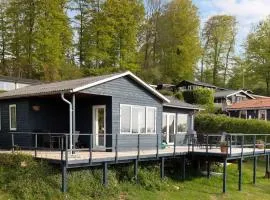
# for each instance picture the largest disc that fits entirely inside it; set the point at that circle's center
(138, 145)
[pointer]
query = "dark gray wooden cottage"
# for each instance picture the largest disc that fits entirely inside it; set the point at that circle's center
(117, 104)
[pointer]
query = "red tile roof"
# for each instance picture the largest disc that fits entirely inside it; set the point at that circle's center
(251, 104)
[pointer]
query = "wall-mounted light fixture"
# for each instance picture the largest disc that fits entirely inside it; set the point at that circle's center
(36, 108)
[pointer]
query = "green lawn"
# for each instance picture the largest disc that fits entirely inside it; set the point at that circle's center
(37, 180)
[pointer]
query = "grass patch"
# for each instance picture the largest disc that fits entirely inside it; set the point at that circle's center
(23, 178)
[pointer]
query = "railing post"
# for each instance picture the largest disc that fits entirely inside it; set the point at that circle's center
(116, 147)
(90, 147)
(254, 144)
(62, 147)
(157, 145)
(193, 141)
(12, 142)
(138, 147)
(265, 143)
(35, 145)
(207, 143)
(230, 145)
(66, 153)
(242, 145)
(174, 145)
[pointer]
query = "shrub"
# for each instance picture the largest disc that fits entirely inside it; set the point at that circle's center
(179, 95)
(210, 123)
(199, 96)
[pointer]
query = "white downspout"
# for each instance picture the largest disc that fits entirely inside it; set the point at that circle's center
(70, 120)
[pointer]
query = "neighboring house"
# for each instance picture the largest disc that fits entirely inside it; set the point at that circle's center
(251, 109)
(11, 83)
(191, 85)
(225, 98)
(117, 104)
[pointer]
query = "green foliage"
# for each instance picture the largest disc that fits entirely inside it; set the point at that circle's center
(218, 40)
(258, 55)
(21, 177)
(170, 41)
(39, 38)
(200, 96)
(210, 123)
(179, 95)
(166, 92)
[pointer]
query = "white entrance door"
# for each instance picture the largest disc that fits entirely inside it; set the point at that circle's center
(168, 127)
(99, 126)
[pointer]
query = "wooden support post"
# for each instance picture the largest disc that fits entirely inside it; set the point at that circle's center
(240, 163)
(105, 174)
(267, 170)
(254, 169)
(35, 145)
(224, 175)
(136, 170)
(184, 168)
(162, 163)
(208, 169)
(64, 177)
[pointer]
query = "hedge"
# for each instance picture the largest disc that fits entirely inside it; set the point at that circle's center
(199, 96)
(210, 123)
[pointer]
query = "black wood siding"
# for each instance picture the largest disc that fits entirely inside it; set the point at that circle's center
(22, 109)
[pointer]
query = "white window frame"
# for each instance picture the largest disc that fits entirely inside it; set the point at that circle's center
(10, 107)
(131, 112)
(260, 114)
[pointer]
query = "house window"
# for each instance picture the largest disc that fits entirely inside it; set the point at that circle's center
(12, 117)
(262, 114)
(243, 114)
(151, 120)
(182, 123)
(137, 119)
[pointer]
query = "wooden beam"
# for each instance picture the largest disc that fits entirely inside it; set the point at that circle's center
(208, 169)
(254, 169)
(224, 175)
(162, 163)
(64, 177)
(105, 174)
(240, 178)
(267, 170)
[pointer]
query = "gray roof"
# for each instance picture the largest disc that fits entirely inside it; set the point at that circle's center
(196, 83)
(174, 102)
(226, 93)
(72, 86)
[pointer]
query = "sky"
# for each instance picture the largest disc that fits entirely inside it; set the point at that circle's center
(248, 13)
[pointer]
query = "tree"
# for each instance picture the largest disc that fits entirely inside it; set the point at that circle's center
(178, 40)
(258, 54)
(3, 36)
(39, 37)
(218, 41)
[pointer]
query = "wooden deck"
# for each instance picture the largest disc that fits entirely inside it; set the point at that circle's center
(83, 156)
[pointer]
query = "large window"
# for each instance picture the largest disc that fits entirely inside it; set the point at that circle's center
(12, 118)
(262, 114)
(137, 119)
(243, 114)
(182, 123)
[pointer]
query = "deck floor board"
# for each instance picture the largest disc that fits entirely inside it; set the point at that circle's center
(84, 156)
